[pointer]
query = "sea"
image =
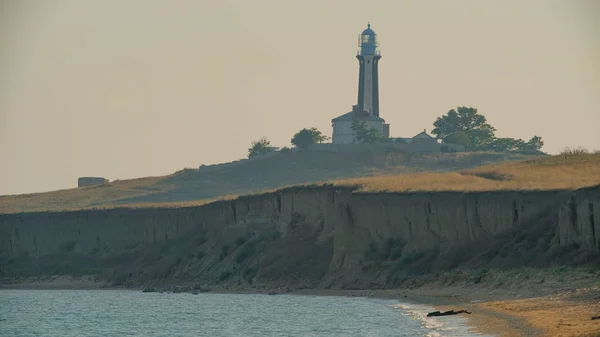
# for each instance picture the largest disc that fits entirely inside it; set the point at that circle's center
(82, 313)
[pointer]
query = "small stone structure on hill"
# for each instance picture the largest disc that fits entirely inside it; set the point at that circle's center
(91, 181)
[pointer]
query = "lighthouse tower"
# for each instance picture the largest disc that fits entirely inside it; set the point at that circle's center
(367, 109)
(368, 81)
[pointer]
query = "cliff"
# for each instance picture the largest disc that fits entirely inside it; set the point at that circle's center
(322, 236)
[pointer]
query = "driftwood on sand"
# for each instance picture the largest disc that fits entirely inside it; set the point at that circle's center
(447, 313)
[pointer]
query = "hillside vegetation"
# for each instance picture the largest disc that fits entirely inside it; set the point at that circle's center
(193, 186)
(369, 172)
(556, 172)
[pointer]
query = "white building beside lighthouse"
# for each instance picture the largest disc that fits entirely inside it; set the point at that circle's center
(367, 109)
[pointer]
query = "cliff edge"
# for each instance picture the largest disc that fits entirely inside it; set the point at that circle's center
(316, 237)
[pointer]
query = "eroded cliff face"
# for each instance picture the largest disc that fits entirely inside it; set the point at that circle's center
(579, 219)
(311, 236)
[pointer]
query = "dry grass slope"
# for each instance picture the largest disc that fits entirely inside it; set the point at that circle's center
(556, 172)
(394, 172)
(194, 187)
(77, 198)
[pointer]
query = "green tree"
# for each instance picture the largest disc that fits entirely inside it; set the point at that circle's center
(506, 145)
(465, 126)
(306, 137)
(534, 144)
(459, 138)
(516, 145)
(467, 121)
(365, 135)
(259, 147)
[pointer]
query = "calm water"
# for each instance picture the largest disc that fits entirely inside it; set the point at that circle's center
(82, 313)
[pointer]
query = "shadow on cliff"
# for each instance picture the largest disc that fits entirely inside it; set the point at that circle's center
(250, 255)
(532, 245)
(263, 250)
(263, 256)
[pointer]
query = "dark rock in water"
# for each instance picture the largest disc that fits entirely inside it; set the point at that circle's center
(149, 290)
(447, 313)
(194, 293)
(272, 293)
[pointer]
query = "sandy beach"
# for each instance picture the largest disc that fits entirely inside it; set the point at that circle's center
(552, 316)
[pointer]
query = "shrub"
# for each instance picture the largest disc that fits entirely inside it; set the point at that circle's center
(249, 274)
(396, 253)
(410, 258)
(275, 235)
(371, 252)
(391, 248)
(240, 240)
(225, 275)
(245, 253)
(574, 151)
(224, 252)
(477, 275)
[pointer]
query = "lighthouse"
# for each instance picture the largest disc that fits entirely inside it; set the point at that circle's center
(368, 84)
(367, 108)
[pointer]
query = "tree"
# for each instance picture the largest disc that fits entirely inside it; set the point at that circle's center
(259, 147)
(506, 145)
(465, 120)
(516, 145)
(459, 138)
(365, 135)
(306, 137)
(534, 144)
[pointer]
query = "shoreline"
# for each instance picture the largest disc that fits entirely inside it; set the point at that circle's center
(497, 312)
(484, 321)
(480, 321)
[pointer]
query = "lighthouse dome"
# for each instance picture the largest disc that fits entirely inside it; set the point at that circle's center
(368, 31)
(368, 42)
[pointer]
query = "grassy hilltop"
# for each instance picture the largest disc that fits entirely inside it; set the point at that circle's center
(549, 173)
(371, 172)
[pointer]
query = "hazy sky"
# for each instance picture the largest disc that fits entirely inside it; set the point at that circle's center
(125, 89)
